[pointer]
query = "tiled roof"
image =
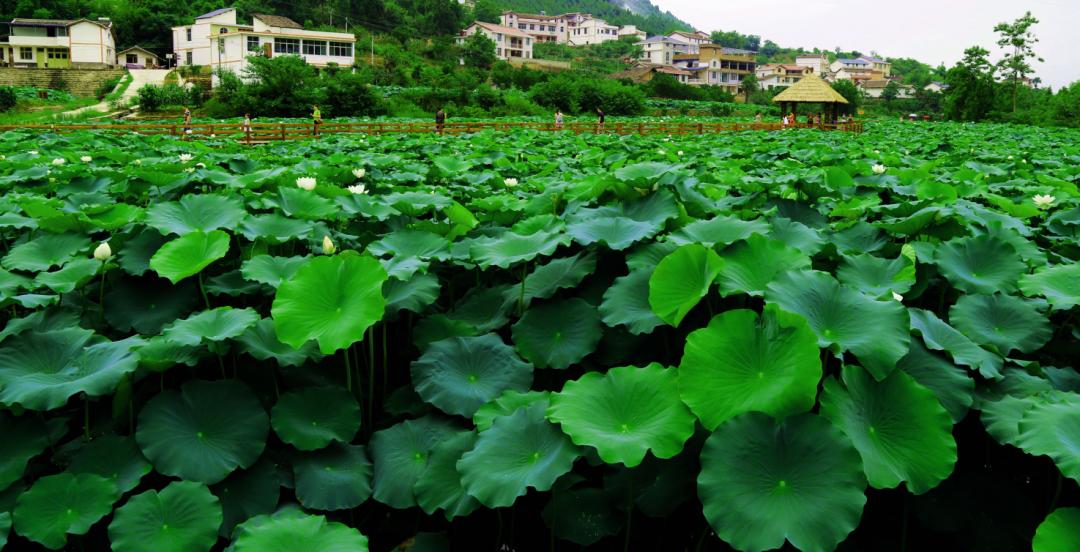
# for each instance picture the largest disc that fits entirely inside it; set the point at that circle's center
(872, 59)
(810, 89)
(501, 29)
(277, 21)
(521, 15)
(42, 22)
(854, 61)
(218, 11)
(727, 50)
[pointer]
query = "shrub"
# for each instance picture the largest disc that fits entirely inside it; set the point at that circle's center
(151, 98)
(106, 87)
(350, 95)
(7, 98)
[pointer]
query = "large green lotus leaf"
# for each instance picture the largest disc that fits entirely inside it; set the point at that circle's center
(11, 283)
(24, 437)
(859, 238)
(292, 530)
(1002, 322)
(519, 451)
(400, 454)
(875, 331)
(45, 252)
(158, 354)
(1059, 532)
(112, 457)
(745, 363)
(624, 413)
(582, 516)
(485, 308)
(1060, 285)
(181, 517)
(750, 265)
(59, 505)
(940, 336)
(557, 335)
(335, 478)
(681, 280)
(306, 205)
(626, 303)
(720, 230)
(147, 304)
(189, 254)
(42, 370)
(901, 430)
(511, 248)
(414, 294)
(331, 299)
(411, 243)
(74, 274)
(248, 493)
(134, 256)
(877, 277)
(762, 482)
(608, 225)
(274, 228)
(439, 487)
(314, 417)
(459, 374)
(1003, 404)
(544, 281)
(261, 342)
(950, 383)
(796, 235)
(643, 171)
(980, 264)
(204, 431)
(196, 213)
(647, 255)
(505, 405)
(213, 325)
(1052, 428)
(272, 271)
(5, 526)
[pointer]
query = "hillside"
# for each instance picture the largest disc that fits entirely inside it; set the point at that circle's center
(641, 13)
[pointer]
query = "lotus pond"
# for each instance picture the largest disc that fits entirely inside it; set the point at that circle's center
(538, 341)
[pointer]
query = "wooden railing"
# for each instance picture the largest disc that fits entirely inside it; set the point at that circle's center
(265, 132)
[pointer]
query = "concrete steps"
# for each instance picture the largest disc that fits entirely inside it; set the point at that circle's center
(79, 82)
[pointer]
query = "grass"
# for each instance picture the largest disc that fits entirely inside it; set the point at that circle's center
(30, 112)
(113, 97)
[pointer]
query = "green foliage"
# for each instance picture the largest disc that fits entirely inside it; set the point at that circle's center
(7, 98)
(151, 97)
(478, 51)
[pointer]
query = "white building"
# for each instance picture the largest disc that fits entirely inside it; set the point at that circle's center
(592, 31)
(693, 41)
(661, 50)
(59, 43)
(775, 75)
(215, 39)
(509, 43)
(936, 86)
(627, 31)
(542, 28)
(818, 63)
(137, 57)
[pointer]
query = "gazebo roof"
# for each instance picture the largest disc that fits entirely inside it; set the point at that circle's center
(810, 89)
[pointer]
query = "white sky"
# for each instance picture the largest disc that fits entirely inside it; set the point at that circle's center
(931, 31)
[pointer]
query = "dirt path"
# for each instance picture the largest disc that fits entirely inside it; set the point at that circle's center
(139, 78)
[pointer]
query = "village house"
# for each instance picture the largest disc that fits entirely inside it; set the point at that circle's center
(137, 57)
(592, 31)
(936, 86)
(720, 66)
(575, 29)
(878, 65)
(876, 88)
(818, 63)
(216, 40)
(542, 28)
(661, 50)
(693, 40)
(59, 43)
(777, 75)
(643, 72)
(631, 31)
(509, 43)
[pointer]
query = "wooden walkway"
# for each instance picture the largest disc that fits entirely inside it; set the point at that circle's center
(267, 132)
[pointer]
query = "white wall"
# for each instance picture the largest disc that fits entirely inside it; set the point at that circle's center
(91, 43)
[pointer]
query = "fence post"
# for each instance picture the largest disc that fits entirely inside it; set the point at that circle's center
(283, 131)
(700, 128)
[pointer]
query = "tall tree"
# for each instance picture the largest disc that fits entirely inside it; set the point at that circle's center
(1018, 41)
(478, 51)
(891, 91)
(970, 95)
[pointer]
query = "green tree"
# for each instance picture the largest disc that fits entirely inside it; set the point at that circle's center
(970, 95)
(891, 91)
(487, 10)
(750, 88)
(850, 92)
(478, 51)
(1018, 41)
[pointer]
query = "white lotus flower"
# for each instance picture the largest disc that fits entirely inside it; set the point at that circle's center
(306, 183)
(137, 161)
(1044, 201)
(679, 153)
(213, 135)
(511, 182)
(879, 169)
(32, 152)
(103, 251)
(185, 157)
(86, 159)
(898, 297)
(359, 173)
(359, 189)
(661, 152)
(1010, 158)
(877, 152)
(2, 157)
(328, 246)
(59, 161)
(1023, 160)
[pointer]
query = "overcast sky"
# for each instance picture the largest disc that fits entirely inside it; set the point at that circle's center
(932, 31)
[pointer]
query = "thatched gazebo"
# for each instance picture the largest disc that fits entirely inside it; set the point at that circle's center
(811, 89)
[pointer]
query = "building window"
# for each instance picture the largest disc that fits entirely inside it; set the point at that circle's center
(286, 46)
(253, 44)
(223, 30)
(132, 59)
(532, 27)
(26, 54)
(498, 37)
(221, 46)
(314, 48)
(57, 53)
(55, 31)
(341, 49)
(521, 26)
(189, 58)
(189, 34)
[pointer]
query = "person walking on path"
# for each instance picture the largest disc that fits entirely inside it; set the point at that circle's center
(316, 118)
(247, 128)
(187, 122)
(600, 117)
(558, 119)
(440, 121)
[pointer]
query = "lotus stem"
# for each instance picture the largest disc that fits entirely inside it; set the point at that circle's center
(521, 299)
(629, 513)
(385, 355)
(101, 294)
(348, 369)
(86, 418)
(371, 374)
(202, 289)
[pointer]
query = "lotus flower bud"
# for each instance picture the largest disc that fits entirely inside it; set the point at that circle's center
(328, 246)
(103, 252)
(359, 173)
(306, 183)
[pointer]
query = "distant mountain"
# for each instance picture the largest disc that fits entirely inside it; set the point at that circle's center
(641, 13)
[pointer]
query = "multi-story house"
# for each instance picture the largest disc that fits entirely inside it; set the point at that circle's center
(693, 40)
(542, 28)
(878, 65)
(661, 50)
(818, 63)
(720, 66)
(775, 75)
(876, 88)
(59, 43)
(631, 31)
(591, 31)
(509, 43)
(216, 40)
